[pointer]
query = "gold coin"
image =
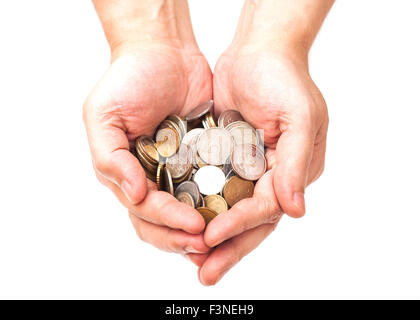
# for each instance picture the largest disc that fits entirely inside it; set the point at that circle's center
(216, 203)
(207, 214)
(146, 147)
(167, 178)
(151, 152)
(186, 198)
(237, 189)
(167, 142)
(210, 120)
(159, 176)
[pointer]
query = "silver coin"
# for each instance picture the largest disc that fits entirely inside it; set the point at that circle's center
(227, 167)
(210, 180)
(200, 111)
(229, 116)
(191, 137)
(191, 188)
(248, 161)
(215, 146)
(180, 163)
(243, 133)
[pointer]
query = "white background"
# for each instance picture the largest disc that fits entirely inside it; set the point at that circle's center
(63, 235)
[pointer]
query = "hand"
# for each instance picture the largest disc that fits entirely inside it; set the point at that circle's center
(147, 81)
(272, 89)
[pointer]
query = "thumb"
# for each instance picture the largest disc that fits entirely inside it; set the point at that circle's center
(113, 160)
(293, 154)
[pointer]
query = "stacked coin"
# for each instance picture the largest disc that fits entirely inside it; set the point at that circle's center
(206, 166)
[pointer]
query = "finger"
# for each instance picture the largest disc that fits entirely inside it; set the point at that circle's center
(197, 258)
(163, 209)
(168, 239)
(111, 157)
(318, 162)
(247, 214)
(225, 256)
(294, 153)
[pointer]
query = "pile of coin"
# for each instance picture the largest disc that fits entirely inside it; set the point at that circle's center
(206, 164)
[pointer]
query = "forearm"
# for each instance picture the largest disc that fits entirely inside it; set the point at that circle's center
(132, 22)
(291, 24)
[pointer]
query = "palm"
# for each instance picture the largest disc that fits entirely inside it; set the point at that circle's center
(139, 90)
(276, 95)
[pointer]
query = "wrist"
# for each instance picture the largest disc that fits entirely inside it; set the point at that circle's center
(133, 24)
(286, 27)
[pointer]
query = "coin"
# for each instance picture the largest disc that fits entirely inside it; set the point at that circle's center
(208, 121)
(210, 180)
(200, 111)
(190, 139)
(216, 203)
(167, 142)
(159, 176)
(199, 163)
(180, 123)
(227, 167)
(186, 198)
(191, 188)
(175, 123)
(248, 161)
(146, 146)
(237, 189)
(180, 163)
(169, 187)
(243, 133)
(227, 117)
(207, 214)
(215, 145)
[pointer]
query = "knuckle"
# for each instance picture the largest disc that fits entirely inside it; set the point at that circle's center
(172, 241)
(102, 164)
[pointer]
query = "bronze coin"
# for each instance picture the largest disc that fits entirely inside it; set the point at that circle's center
(216, 203)
(237, 189)
(207, 214)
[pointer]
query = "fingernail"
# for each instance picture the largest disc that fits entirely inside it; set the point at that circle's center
(126, 188)
(299, 200)
(190, 249)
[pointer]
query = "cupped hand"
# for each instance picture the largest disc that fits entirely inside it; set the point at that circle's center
(274, 92)
(144, 85)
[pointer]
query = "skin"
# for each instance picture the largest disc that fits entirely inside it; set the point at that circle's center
(158, 70)
(264, 74)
